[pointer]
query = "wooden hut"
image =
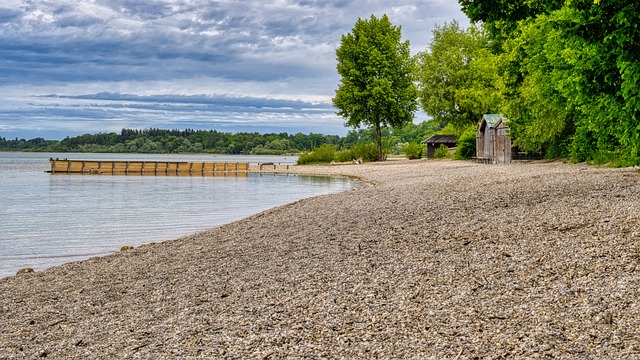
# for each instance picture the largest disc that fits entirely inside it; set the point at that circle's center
(493, 143)
(435, 141)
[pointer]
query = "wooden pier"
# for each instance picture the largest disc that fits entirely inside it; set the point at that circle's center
(158, 168)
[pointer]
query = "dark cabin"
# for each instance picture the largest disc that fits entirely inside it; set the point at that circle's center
(493, 143)
(435, 141)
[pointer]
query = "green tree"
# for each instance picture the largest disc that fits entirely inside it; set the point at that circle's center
(570, 72)
(537, 70)
(501, 17)
(377, 86)
(457, 76)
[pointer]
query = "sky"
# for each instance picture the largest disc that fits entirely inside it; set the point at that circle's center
(71, 67)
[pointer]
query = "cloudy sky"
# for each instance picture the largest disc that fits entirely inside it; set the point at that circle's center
(70, 67)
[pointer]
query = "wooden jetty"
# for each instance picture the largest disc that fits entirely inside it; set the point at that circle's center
(160, 168)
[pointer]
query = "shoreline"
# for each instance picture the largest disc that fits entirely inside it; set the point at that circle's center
(105, 242)
(430, 259)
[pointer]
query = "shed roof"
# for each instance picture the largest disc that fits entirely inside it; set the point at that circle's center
(441, 139)
(492, 119)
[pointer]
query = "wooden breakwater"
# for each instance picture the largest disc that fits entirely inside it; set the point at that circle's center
(159, 168)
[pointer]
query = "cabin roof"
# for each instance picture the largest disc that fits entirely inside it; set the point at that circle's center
(441, 139)
(492, 119)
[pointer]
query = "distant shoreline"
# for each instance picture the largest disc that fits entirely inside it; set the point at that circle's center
(431, 259)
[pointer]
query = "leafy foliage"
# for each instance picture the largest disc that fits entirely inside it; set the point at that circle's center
(458, 78)
(466, 148)
(177, 141)
(501, 17)
(570, 71)
(366, 152)
(323, 154)
(414, 150)
(376, 88)
(535, 101)
(344, 156)
(394, 139)
(200, 141)
(442, 152)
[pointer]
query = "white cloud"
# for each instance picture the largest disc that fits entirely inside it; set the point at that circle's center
(264, 50)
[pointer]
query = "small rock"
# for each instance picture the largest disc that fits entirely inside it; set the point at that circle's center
(24, 271)
(126, 248)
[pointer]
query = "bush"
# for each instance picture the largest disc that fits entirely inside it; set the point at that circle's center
(614, 159)
(583, 145)
(344, 156)
(442, 152)
(414, 150)
(322, 155)
(326, 153)
(466, 144)
(368, 152)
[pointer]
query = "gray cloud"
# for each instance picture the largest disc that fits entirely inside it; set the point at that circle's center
(238, 51)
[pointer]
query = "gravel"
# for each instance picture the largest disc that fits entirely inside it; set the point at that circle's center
(431, 259)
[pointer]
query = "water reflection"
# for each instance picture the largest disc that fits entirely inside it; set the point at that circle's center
(46, 220)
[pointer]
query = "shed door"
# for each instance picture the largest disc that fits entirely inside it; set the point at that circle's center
(503, 146)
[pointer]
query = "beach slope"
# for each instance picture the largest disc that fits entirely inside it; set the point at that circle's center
(431, 259)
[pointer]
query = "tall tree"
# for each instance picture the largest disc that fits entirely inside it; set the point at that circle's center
(377, 86)
(457, 76)
(570, 70)
(501, 17)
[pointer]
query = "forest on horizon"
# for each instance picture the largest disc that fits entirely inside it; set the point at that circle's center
(159, 141)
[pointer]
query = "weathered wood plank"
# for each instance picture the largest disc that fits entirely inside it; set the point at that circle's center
(166, 168)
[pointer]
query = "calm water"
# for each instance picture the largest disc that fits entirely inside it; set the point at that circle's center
(46, 220)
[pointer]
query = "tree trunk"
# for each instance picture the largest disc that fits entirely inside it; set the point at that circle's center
(379, 140)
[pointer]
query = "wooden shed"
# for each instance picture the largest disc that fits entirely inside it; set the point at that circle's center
(493, 143)
(435, 141)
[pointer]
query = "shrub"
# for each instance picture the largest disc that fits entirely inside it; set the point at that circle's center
(398, 148)
(442, 152)
(306, 158)
(466, 144)
(614, 159)
(368, 152)
(414, 150)
(322, 155)
(583, 145)
(325, 153)
(344, 156)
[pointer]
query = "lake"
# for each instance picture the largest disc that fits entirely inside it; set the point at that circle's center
(46, 220)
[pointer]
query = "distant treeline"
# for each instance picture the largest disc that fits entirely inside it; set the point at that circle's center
(159, 141)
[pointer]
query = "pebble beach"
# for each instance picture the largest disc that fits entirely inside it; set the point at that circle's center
(428, 260)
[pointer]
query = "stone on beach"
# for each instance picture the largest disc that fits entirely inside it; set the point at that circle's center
(431, 259)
